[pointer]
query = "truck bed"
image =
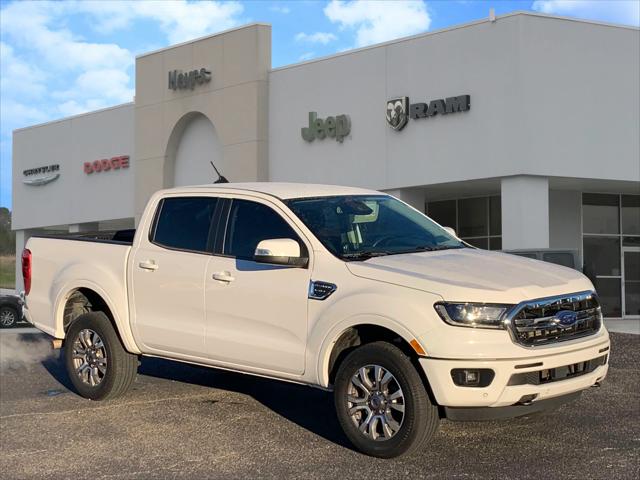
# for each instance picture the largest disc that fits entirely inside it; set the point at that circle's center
(62, 264)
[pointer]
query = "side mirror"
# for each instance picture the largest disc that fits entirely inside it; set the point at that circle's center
(450, 231)
(280, 251)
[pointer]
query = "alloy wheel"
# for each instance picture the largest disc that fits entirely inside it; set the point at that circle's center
(376, 402)
(89, 357)
(7, 318)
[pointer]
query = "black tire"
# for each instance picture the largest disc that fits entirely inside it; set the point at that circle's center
(9, 316)
(420, 417)
(120, 366)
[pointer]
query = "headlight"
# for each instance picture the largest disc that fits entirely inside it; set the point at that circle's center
(474, 315)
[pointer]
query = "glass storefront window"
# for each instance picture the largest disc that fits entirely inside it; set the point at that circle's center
(601, 256)
(478, 221)
(600, 213)
(472, 217)
(631, 241)
(632, 283)
(495, 217)
(478, 242)
(630, 214)
(443, 212)
(609, 294)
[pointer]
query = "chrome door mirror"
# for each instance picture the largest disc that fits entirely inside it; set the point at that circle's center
(280, 251)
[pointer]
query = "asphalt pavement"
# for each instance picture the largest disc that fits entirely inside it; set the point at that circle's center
(181, 421)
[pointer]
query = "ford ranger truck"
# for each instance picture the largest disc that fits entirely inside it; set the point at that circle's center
(345, 289)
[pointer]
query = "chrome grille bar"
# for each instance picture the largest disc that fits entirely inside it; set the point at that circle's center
(555, 319)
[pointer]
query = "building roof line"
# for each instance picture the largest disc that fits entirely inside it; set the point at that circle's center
(204, 37)
(449, 29)
(72, 117)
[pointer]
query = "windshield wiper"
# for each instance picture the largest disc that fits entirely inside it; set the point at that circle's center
(365, 255)
(434, 248)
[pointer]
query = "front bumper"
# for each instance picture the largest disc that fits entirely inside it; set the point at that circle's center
(500, 393)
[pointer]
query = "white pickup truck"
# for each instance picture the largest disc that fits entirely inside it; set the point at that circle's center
(345, 289)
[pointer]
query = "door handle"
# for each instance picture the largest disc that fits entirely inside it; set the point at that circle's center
(223, 277)
(148, 265)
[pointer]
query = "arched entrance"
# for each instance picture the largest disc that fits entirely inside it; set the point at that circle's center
(192, 145)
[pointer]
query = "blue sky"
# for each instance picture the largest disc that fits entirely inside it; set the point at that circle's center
(68, 57)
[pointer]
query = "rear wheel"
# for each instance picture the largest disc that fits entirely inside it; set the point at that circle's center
(98, 365)
(381, 402)
(8, 317)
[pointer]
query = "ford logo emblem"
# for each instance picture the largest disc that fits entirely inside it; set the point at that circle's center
(566, 318)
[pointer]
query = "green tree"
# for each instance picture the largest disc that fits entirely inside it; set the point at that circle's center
(7, 237)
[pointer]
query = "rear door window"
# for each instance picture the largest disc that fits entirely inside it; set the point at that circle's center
(184, 223)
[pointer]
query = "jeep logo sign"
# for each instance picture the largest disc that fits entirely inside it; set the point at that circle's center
(188, 80)
(399, 110)
(336, 127)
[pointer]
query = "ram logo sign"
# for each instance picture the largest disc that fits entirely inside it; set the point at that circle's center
(399, 110)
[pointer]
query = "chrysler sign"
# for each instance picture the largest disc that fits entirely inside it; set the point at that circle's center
(41, 175)
(399, 110)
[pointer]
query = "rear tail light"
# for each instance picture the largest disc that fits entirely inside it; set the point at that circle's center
(26, 270)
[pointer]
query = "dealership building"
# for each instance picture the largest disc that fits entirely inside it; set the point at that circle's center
(521, 132)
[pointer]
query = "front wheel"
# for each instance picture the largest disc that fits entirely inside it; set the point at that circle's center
(381, 402)
(98, 365)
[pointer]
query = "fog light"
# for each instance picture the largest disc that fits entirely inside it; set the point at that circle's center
(527, 399)
(472, 377)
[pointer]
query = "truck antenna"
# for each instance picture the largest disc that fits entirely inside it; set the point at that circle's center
(220, 179)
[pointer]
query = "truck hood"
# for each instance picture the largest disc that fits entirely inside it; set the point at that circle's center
(472, 275)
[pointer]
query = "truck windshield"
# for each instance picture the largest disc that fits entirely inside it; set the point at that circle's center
(359, 227)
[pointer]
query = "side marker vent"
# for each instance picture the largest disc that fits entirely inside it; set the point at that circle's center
(321, 290)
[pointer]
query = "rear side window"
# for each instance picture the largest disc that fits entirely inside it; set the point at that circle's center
(250, 223)
(184, 223)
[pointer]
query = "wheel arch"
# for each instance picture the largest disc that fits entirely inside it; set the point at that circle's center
(360, 331)
(76, 299)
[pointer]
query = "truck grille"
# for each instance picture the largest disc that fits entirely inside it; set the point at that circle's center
(555, 319)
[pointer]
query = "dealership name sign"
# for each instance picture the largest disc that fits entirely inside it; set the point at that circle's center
(179, 80)
(336, 127)
(399, 110)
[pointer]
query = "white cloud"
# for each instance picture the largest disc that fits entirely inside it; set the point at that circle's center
(318, 37)
(379, 21)
(178, 19)
(19, 76)
(615, 11)
(28, 25)
(280, 9)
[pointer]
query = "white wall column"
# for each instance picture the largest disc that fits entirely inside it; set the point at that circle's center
(415, 197)
(525, 212)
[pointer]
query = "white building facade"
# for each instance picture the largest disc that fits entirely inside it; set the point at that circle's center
(521, 133)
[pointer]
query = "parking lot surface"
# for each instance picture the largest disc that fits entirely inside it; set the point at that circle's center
(181, 421)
